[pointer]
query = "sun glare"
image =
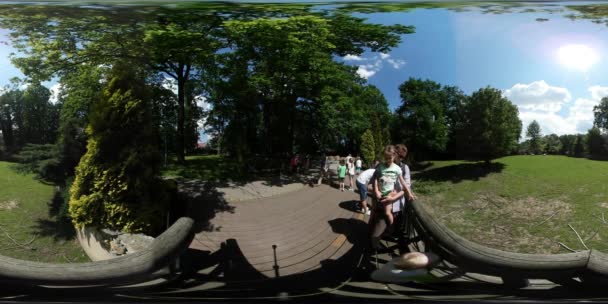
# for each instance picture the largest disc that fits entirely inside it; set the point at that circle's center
(577, 56)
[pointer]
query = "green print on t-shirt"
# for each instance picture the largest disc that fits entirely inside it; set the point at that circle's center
(387, 178)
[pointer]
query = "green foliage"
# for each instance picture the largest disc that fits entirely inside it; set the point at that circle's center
(421, 116)
(596, 144)
(116, 183)
(552, 143)
(601, 115)
(43, 160)
(579, 145)
(491, 126)
(80, 90)
(368, 147)
(533, 132)
(567, 144)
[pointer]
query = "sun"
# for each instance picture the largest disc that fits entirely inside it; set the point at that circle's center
(577, 56)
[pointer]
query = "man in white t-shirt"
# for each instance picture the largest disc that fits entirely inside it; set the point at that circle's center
(362, 183)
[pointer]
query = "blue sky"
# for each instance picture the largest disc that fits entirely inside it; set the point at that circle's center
(471, 50)
(551, 70)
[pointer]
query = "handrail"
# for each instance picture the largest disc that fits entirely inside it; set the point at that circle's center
(481, 259)
(133, 268)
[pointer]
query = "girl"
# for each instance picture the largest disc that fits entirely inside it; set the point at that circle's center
(351, 174)
(387, 174)
(341, 174)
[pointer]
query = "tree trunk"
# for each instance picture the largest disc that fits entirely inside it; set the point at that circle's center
(180, 120)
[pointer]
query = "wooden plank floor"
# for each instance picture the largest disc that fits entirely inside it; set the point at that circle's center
(286, 234)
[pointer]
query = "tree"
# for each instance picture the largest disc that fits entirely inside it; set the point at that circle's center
(579, 146)
(368, 147)
(596, 144)
(567, 144)
(421, 120)
(491, 126)
(552, 143)
(601, 115)
(116, 184)
(533, 133)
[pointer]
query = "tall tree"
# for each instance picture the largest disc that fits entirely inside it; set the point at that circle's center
(596, 144)
(579, 146)
(421, 116)
(368, 147)
(601, 115)
(491, 126)
(116, 183)
(533, 133)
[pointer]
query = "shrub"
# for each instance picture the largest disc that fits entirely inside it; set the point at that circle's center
(116, 184)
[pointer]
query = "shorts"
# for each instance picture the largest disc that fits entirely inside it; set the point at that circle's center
(343, 178)
(362, 191)
(358, 170)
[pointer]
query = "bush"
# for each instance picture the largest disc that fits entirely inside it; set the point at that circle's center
(116, 184)
(42, 160)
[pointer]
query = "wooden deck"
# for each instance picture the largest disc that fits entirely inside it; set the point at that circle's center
(283, 235)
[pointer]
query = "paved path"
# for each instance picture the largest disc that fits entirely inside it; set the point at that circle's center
(283, 235)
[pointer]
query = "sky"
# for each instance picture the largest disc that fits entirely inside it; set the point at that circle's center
(551, 70)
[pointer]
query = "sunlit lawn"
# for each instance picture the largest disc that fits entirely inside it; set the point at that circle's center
(204, 167)
(521, 203)
(29, 228)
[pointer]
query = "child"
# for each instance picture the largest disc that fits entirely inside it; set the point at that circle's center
(387, 174)
(351, 174)
(362, 181)
(341, 174)
(358, 165)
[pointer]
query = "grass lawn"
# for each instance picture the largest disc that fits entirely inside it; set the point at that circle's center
(204, 167)
(524, 204)
(29, 228)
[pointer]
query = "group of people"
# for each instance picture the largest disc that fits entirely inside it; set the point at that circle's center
(389, 181)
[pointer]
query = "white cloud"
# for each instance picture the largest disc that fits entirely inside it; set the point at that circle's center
(369, 66)
(549, 123)
(598, 92)
(352, 58)
(396, 63)
(538, 96)
(541, 102)
(170, 84)
(366, 71)
(55, 90)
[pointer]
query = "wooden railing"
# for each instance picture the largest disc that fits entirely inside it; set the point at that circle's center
(589, 266)
(133, 268)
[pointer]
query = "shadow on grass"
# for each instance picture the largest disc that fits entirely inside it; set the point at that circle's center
(460, 172)
(58, 225)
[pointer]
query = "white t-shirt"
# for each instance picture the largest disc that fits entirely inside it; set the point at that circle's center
(398, 205)
(358, 163)
(351, 169)
(366, 176)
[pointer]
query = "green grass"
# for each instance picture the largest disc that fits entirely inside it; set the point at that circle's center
(29, 227)
(521, 203)
(205, 167)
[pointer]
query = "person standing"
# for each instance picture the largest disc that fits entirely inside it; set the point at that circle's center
(363, 181)
(342, 174)
(358, 165)
(351, 174)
